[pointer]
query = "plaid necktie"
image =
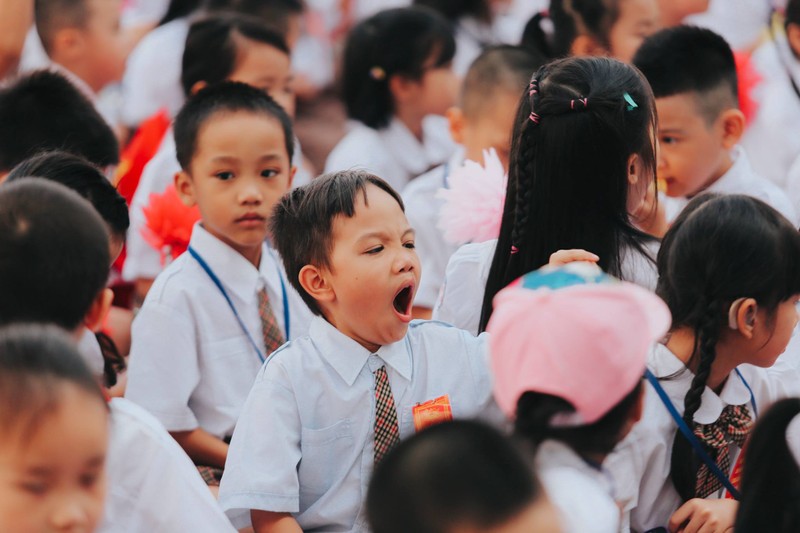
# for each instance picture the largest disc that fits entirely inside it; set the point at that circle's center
(273, 338)
(387, 433)
(732, 426)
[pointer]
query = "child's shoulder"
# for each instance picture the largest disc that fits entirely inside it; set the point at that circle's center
(435, 334)
(361, 146)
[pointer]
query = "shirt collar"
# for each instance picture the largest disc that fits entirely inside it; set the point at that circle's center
(348, 357)
(233, 270)
(555, 454)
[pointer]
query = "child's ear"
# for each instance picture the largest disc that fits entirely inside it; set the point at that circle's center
(633, 169)
(732, 123)
(185, 188)
(793, 36)
(313, 281)
(68, 44)
(99, 309)
(292, 172)
(197, 87)
(403, 88)
(584, 45)
(455, 116)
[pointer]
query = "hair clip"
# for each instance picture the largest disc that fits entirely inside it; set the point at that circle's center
(377, 73)
(514, 249)
(584, 101)
(534, 117)
(631, 103)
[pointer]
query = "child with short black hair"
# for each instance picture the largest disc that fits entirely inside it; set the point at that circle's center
(396, 77)
(693, 75)
(226, 305)
(329, 405)
(48, 113)
(457, 476)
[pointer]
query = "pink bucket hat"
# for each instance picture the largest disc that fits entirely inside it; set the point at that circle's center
(582, 338)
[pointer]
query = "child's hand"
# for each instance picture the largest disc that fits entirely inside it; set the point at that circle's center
(704, 516)
(562, 257)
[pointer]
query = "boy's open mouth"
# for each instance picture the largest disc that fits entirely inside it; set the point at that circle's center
(402, 301)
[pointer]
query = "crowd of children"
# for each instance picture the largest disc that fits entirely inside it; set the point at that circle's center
(206, 327)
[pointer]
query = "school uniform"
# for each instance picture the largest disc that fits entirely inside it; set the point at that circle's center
(152, 484)
(641, 463)
(191, 362)
(583, 493)
(393, 153)
(461, 297)
(422, 210)
(304, 442)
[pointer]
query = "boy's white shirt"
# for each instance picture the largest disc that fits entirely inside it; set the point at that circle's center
(304, 442)
(92, 354)
(461, 297)
(740, 179)
(640, 464)
(153, 486)
(422, 211)
(582, 494)
(768, 139)
(191, 365)
(393, 153)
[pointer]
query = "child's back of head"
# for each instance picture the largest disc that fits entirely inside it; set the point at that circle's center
(282, 15)
(49, 113)
(54, 257)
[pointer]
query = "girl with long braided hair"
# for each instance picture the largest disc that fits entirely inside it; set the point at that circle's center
(730, 274)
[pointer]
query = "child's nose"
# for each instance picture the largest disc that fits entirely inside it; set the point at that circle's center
(406, 260)
(250, 192)
(70, 514)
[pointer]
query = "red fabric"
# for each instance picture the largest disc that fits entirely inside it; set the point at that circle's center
(749, 78)
(139, 151)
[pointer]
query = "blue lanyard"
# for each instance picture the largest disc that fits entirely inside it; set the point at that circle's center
(692, 438)
(222, 290)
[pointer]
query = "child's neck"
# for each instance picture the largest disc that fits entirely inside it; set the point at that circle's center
(411, 119)
(253, 256)
(681, 343)
(725, 165)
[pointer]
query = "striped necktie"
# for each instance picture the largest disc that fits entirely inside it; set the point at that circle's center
(273, 338)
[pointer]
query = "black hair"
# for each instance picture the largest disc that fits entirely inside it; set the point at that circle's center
(54, 258)
(82, 177)
(277, 13)
(395, 42)
(302, 222)
(225, 97)
(52, 15)
(451, 474)
(694, 61)
(498, 67)
(36, 361)
(792, 13)
(770, 475)
(568, 174)
(49, 113)
(726, 248)
(213, 46)
(571, 18)
(180, 9)
(453, 10)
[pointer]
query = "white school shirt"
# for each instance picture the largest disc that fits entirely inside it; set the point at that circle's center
(793, 184)
(740, 179)
(582, 494)
(393, 153)
(304, 442)
(153, 486)
(640, 465)
(768, 139)
(422, 211)
(191, 364)
(467, 271)
(740, 22)
(91, 352)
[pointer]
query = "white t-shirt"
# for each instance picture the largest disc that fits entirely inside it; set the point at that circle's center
(393, 153)
(467, 271)
(422, 211)
(153, 486)
(583, 494)
(191, 364)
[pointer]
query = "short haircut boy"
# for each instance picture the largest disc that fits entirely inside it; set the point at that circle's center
(211, 48)
(302, 222)
(226, 97)
(49, 113)
(53, 15)
(54, 257)
(688, 59)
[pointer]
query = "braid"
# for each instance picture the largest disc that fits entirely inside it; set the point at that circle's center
(525, 171)
(684, 463)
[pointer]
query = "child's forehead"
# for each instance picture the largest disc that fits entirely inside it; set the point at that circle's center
(373, 208)
(235, 123)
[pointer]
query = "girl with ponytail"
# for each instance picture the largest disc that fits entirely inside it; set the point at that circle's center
(730, 273)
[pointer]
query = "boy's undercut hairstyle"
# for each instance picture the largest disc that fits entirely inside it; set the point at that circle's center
(694, 61)
(82, 177)
(275, 12)
(395, 42)
(504, 67)
(212, 46)
(53, 15)
(302, 222)
(49, 113)
(35, 362)
(226, 97)
(54, 257)
(459, 473)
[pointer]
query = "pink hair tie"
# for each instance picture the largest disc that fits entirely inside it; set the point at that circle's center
(534, 117)
(584, 101)
(514, 249)
(533, 89)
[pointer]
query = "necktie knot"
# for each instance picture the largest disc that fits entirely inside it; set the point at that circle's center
(732, 427)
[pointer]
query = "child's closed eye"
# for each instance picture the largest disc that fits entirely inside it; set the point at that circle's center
(375, 250)
(34, 487)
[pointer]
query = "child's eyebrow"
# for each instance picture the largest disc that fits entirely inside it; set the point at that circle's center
(383, 234)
